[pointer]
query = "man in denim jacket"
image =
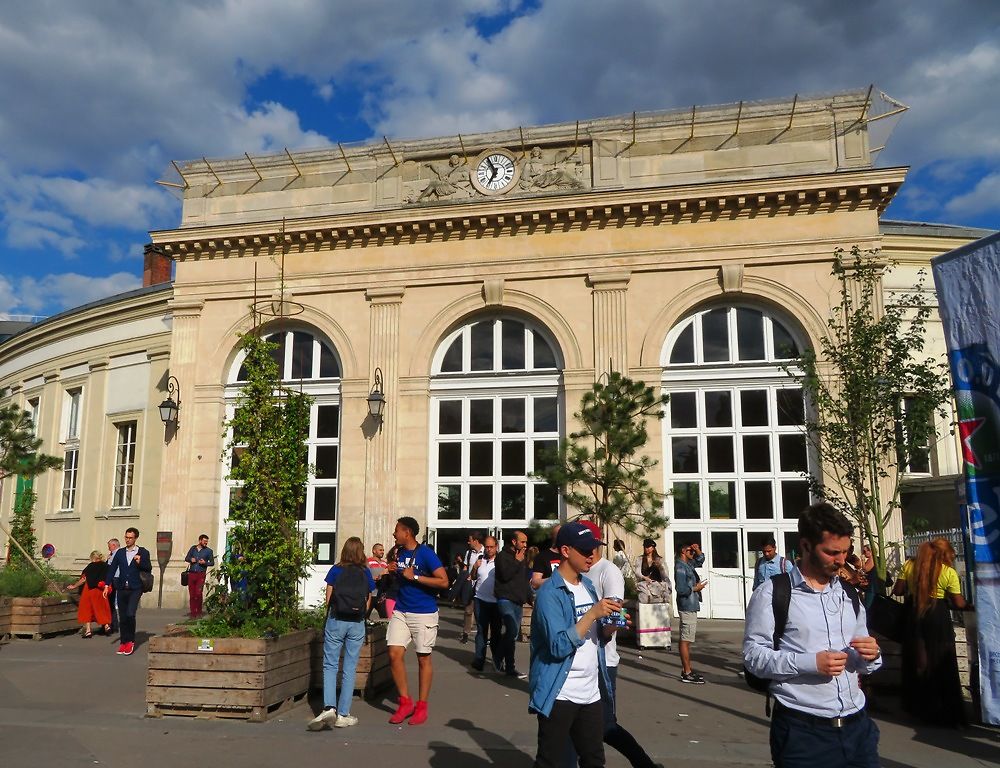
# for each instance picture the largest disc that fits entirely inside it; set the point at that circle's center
(568, 669)
(688, 586)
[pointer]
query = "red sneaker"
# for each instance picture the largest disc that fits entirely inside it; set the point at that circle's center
(121, 649)
(403, 711)
(127, 649)
(419, 714)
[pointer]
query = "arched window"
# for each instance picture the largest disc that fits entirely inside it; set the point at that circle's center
(309, 363)
(495, 410)
(736, 455)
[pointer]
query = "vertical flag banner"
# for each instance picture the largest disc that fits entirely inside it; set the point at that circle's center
(968, 289)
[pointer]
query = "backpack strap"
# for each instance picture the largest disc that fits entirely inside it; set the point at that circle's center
(781, 599)
(852, 592)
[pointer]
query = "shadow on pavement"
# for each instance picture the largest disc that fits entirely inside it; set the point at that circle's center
(500, 752)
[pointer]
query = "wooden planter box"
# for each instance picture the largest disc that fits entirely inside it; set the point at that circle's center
(227, 677)
(373, 674)
(38, 617)
(6, 608)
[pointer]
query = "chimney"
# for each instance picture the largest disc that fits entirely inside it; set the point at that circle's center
(155, 266)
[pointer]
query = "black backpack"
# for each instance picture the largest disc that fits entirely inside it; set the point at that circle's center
(350, 594)
(781, 598)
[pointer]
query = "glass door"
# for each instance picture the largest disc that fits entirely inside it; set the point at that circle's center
(725, 574)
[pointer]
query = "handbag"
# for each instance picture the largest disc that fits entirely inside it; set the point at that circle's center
(184, 577)
(146, 579)
(887, 618)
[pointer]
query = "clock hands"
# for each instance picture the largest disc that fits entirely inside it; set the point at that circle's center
(494, 169)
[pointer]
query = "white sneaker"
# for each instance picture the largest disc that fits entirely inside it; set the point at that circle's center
(345, 721)
(322, 720)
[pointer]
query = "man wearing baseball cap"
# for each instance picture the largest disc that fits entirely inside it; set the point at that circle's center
(568, 668)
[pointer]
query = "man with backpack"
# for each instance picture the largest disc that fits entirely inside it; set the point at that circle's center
(806, 634)
(415, 618)
(349, 586)
(769, 564)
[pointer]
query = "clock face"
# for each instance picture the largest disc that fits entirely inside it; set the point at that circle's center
(494, 172)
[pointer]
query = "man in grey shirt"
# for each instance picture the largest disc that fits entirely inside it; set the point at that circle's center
(819, 718)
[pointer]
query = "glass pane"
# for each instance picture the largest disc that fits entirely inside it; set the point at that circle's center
(683, 413)
(683, 351)
(792, 453)
(715, 335)
(511, 345)
(324, 547)
(794, 498)
(480, 416)
(546, 414)
(238, 452)
(324, 503)
(512, 458)
(759, 500)
(544, 453)
(687, 501)
(450, 459)
(329, 368)
(753, 408)
(685, 454)
(327, 421)
(449, 502)
(450, 417)
(544, 356)
(750, 334)
(785, 347)
(718, 409)
(756, 453)
(452, 360)
(242, 375)
(720, 454)
(482, 346)
(722, 500)
(480, 502)
(512, 498)
(481, 459)
(326, 462)
(302, 355)
(920, 461)
(278, 352)
(512, 415)
(791, 408)
(546, 502)
(725, 549)
(791, 539)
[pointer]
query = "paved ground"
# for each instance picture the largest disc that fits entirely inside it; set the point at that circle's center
(72, 702)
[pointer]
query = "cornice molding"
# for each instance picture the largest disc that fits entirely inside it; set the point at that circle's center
(871, 189)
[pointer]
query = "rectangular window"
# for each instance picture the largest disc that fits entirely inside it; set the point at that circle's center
(914, 454)
(124, 464)
(73, 397)
(70, 459)
(33, 410)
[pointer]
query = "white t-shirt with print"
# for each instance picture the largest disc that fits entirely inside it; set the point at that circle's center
(581, 685)
(609, 581)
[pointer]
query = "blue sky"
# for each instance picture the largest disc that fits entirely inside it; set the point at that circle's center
(99, 97)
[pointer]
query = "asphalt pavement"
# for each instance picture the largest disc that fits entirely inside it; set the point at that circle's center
(70, 702)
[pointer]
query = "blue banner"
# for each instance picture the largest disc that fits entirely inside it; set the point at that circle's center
(968, 289)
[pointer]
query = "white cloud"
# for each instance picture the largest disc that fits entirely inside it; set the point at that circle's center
(58, 292)
(983, 198)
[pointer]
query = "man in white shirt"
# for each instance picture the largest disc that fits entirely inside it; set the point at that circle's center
(609, 581)
(485, 606)
(472, 554)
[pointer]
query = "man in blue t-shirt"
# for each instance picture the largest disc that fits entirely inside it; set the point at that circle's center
(420, 575)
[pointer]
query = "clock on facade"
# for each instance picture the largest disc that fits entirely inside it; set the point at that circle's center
(495, 171)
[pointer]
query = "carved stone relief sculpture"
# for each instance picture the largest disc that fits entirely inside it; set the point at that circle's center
(448, 180)
(564, 173)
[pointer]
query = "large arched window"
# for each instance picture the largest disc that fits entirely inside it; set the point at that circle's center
(495, 410)
(736, 455)
(308, 363)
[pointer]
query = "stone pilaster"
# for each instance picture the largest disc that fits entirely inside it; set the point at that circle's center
(610, 325)
(382, 440)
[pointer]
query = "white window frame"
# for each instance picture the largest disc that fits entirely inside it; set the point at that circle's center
(71, 468)
(34, 410)
(72, 415)
(123, 480)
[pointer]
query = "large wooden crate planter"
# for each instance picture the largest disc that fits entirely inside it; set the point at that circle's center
(6, 607)
(227, 677)
(526, 612)
(38, 617)
(373, 674)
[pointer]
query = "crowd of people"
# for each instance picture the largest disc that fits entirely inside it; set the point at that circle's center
(807, 642)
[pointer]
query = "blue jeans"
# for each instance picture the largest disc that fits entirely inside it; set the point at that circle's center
(510, 618)
(346, 636)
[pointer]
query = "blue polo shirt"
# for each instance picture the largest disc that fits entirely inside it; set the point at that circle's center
(414, 597)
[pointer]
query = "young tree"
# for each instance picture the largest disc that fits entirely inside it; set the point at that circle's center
(19, 455)
(269, 429)
(873, 395)
(600, 469)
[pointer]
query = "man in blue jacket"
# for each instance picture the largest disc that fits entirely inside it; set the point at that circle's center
(688, 587)
(568, 669)
(123, 572)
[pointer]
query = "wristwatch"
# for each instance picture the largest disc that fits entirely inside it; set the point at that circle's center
(416, 577)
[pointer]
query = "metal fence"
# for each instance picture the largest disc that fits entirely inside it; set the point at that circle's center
(913, 541)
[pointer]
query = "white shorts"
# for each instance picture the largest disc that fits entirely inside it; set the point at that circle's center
(421, 628)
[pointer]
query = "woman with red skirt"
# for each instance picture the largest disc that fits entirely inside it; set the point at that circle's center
(93, 604)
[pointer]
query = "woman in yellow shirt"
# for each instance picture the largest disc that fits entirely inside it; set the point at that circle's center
(931, 688)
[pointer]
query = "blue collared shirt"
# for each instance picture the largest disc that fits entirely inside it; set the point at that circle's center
(554, 641)
(765, 569)
(817, 621)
